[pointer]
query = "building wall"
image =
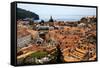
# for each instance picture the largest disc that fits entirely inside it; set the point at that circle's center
(23, 40)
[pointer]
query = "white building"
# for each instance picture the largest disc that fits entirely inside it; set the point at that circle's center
(23, 38)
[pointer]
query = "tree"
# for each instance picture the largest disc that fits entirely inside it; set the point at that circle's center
(51, 19)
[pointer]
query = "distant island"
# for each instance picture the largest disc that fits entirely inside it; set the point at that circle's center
(22, 14)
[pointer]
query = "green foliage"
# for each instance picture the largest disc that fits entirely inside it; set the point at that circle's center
(39, 54)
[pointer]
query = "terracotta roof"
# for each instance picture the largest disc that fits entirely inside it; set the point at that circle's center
(22, 33)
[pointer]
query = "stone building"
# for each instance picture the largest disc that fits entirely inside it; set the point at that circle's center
(23, 38)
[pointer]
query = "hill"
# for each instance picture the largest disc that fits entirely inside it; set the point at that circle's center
(21, 14)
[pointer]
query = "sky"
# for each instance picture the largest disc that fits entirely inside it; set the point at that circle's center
(57, 12)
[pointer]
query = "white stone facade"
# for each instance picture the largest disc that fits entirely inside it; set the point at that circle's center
(22, 41)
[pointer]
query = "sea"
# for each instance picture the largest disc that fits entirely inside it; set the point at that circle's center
(63, 18)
